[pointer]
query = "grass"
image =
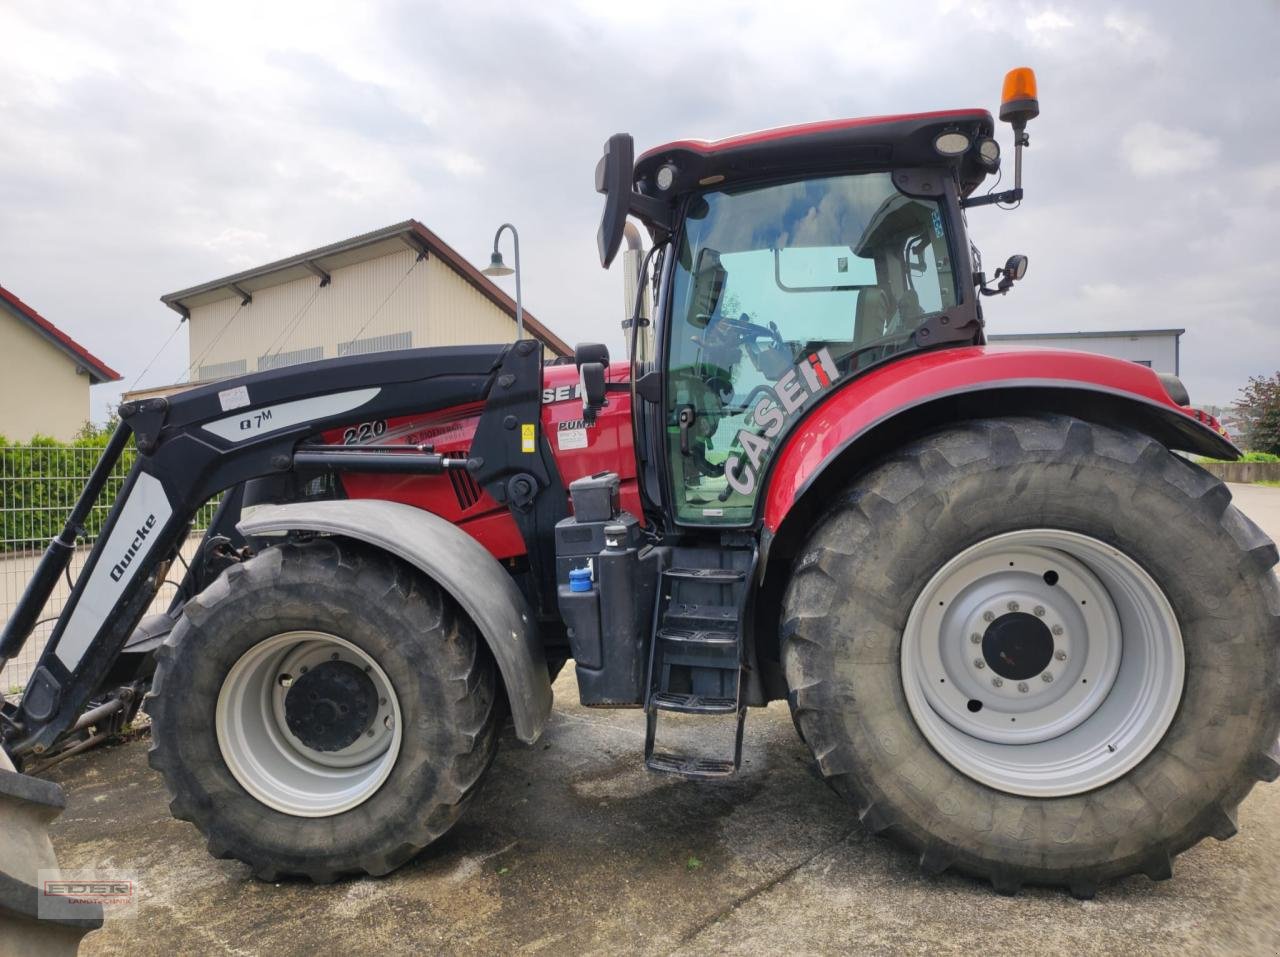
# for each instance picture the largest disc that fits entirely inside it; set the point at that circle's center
(1247, 457)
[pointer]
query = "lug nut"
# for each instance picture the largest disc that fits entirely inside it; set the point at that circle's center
(1039, 609)
(979, 663)
(975, 638)
(1013, 606)
(286, 681)
(997, 682)
(1057, 629)
(334, 656)
(387, 722)
(1060, 655)
(1022, 686)
(1046, 677)
(988, 616)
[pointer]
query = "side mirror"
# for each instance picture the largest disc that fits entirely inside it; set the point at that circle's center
(614, 173)
(591, 380)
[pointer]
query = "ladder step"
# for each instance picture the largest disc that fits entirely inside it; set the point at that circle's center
(699, 638)
(712, 575)
(689, 767)
(704, 617)
(692, 703)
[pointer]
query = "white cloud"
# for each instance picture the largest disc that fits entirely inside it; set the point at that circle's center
(1151, 149)
(189, 140)
(1047, 27)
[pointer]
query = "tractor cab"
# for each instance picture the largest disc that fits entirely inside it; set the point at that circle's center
(790, 259)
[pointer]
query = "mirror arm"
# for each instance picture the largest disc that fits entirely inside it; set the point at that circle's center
(1008, 196)
(653, 211)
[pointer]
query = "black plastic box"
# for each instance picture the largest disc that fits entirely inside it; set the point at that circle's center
(596, 497)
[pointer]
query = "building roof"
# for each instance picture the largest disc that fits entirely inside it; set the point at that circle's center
(321, 262)
(97, 370)
(1100, 334)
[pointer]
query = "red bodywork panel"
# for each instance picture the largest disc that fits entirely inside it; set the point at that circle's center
(455, 496)
(908, 381)
(802, 129)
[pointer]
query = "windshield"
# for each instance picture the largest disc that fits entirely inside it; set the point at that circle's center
(776, 292)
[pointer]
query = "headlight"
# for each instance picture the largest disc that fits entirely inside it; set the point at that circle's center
(989, 153)
(666, 175)
(951, 144)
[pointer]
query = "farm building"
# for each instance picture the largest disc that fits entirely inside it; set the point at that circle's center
(45, 375)
(399, 287)
(1156, 348)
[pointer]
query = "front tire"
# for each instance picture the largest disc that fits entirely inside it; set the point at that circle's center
(945, 540)
(322, 710)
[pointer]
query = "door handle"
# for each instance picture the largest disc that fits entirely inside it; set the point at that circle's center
(685, 418)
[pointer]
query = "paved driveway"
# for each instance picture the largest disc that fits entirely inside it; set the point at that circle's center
(572, 847)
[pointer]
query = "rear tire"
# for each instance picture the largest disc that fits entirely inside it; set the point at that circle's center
(890, 540)
(427, 705)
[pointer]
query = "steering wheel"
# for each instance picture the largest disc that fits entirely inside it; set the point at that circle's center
(750, 332)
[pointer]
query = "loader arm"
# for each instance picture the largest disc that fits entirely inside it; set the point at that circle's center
(199, 443)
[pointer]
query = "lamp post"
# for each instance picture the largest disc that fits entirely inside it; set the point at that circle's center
(497, 267)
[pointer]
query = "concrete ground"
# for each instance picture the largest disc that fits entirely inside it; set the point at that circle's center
(572, 847)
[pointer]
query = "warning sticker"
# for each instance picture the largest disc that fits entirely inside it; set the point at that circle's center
(572, 435)
(528, 440)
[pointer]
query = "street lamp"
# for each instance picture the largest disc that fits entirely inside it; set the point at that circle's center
(497, 267)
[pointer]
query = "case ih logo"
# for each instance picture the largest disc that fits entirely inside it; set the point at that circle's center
(143, 530)
(773, 411)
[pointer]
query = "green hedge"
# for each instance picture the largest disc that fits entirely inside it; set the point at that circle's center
(41, 479)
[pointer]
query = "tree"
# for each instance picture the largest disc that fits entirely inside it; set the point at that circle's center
(1259, 410)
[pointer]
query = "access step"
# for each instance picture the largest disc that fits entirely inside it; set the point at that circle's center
(697, 638)
(692, 703)
(712, 576)
(690, 767)
(706, 617)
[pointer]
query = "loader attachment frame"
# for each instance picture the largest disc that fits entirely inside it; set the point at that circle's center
(194, 445)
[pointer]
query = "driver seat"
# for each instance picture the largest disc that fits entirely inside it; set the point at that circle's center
(871, 316)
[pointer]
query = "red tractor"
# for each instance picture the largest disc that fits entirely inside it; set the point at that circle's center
(1021, 635)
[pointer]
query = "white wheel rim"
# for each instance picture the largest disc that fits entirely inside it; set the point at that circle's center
(270, 761)
(1042, 662)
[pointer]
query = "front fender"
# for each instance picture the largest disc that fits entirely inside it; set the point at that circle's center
(886, 406)
(455, 561)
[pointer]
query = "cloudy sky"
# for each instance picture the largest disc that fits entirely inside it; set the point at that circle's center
(148, 147)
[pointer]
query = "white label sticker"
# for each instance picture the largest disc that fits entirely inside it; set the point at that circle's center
(141, 518)
(248, 425)
(236, 398)
(572, 438)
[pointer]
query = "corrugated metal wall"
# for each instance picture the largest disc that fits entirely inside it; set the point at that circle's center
(386, 296)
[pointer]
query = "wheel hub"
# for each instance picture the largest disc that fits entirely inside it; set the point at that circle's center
(1042, 662)
(1017, 646)
(308, 723)
(330, 706)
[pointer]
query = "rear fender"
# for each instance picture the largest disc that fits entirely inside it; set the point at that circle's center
(886, 407)
(458, 564)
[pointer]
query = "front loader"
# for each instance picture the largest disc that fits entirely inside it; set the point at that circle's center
(1021, 636)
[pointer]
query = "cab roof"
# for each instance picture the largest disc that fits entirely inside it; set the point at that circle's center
(868, 142)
